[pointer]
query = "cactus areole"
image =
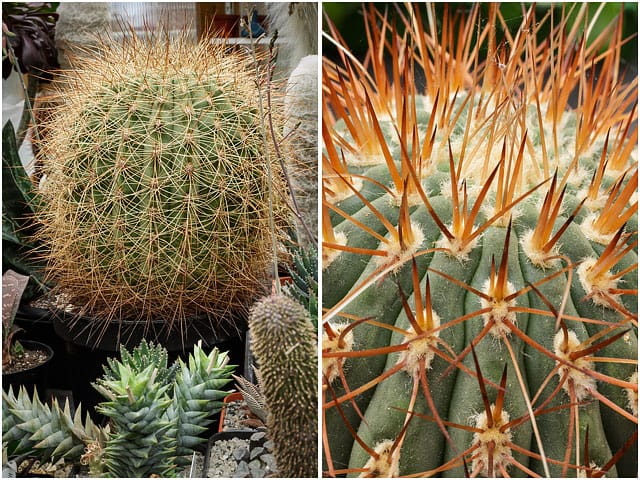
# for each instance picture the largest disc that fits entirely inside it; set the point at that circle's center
(157, 180)
(479, 249)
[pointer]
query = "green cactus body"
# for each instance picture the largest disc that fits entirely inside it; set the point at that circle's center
(479, 259)
(284, 343)
(156, 182)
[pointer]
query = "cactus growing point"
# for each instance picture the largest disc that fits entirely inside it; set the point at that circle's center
(156, 182)
(479, 248)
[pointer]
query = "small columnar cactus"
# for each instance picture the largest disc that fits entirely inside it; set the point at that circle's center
(284, 343)
(157, 181)
(479, 254)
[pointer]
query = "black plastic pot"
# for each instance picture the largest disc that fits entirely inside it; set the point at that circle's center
(35, 377)
(90, 333)
(37, 324)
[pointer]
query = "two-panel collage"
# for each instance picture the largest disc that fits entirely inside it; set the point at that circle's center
(319, 239)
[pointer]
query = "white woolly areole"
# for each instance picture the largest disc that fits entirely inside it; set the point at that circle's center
(499, 311)
(592, 204)
(339, 189)
(331, 365)
(632, 395)
(386, 465)
(591, 472)
(583, 384)
(421, 346)
(455, 247)
(394, 249)
(330, 254)
(598, 286)
(538, 257)
(491, 438)
(360, 159)
(589, 231)
(413, 199)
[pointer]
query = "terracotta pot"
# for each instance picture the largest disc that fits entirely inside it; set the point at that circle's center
(232, 397)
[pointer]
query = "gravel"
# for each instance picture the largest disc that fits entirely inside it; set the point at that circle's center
(234, 414)
(241, 458)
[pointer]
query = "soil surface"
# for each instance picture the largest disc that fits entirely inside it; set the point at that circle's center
(30, 359)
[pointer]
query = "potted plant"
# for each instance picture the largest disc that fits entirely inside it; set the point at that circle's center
(157, 414)
(284, 399)
(23, 362)
(156, 227)
(245, 408)
(165, 210)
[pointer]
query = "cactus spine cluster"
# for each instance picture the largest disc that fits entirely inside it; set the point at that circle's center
(283, 340)
(480, 251)
(156, 181)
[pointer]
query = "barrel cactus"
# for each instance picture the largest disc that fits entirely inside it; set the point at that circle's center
(479, 248)
(157, 181)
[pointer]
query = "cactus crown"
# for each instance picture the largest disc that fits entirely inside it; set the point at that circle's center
(156, 181)
(479, 254)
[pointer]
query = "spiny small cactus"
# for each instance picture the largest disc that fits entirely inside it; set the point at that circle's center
(479, 248)
(284, 343)
(157, 181)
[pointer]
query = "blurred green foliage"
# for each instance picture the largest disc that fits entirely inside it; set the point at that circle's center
(348, 19)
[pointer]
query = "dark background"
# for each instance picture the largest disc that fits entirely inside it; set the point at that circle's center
(348, 19)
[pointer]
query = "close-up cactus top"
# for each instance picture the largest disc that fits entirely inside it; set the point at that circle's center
(479, 256)
(157, 179)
